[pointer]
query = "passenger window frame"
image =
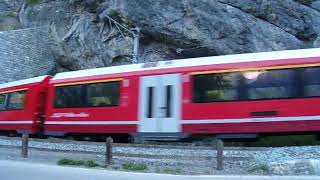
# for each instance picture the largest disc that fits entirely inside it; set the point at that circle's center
(84, 88)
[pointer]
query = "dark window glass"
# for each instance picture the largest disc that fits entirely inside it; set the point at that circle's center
(69, 96)
(311, 81)
(168, 100)
(150, 102)
(273, 84)
(103, 94)
(3, 101)
(216, 87)
(16, 100)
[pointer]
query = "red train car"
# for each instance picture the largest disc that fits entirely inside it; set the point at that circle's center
(22, 105)
(253, 93)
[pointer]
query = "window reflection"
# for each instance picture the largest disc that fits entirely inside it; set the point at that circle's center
(215, 87)
(3, 101)
(311, 81)
(271, 84)
(16, 100)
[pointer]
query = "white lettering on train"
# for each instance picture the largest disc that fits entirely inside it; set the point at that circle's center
(58, 115)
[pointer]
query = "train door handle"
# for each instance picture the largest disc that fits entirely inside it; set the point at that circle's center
(264, 113)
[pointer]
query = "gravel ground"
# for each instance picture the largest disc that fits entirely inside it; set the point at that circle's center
(195, 161)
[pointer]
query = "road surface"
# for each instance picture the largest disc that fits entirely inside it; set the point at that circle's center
(17, 170)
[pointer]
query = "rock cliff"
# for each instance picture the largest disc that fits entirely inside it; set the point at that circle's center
(83, 36)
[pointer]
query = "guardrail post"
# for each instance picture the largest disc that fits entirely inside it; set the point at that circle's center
(219, 155)
(24, 147)
(109, 142)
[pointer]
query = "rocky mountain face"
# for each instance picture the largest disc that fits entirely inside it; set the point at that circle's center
(83, 36)
(9, 14)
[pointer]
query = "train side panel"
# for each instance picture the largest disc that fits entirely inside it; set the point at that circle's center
(25, 117)
(251, 116)
(120, 119)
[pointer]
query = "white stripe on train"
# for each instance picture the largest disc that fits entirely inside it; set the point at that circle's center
(207, 121)
(250, 120)
(16, 122)
(91, 122)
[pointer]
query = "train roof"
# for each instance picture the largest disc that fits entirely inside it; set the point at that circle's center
(23, 82)
(236, 58)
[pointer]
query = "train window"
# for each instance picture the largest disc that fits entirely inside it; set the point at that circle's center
(273, 84)
(150, 102)
(311, 81)
(103, 94)
(69, 96)
(216, 87)
(168, 100)
(16, 100)
(3, 101)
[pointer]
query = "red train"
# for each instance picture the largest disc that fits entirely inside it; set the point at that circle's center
(253, 93)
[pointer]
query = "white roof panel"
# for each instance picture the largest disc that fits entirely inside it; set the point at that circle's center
(22, 82)
(261, 56)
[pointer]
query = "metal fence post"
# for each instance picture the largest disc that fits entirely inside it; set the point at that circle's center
(109, 142)
(219, 155)
(24, 147)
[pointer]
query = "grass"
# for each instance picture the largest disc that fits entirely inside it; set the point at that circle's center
(134, 166)
(72, 162)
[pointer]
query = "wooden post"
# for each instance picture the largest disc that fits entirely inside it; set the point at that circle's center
(24, 147)
(219, 155)
(109, 142)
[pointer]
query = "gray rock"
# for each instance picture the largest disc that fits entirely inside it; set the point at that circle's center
(9, 14)
(301, 21)
(215, 27)
(312, 3)
(83, 37)
(295, 167)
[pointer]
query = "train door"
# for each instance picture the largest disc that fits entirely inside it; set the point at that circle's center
(160, 103)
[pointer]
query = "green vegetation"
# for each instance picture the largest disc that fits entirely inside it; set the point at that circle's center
(91, 163)
(262, 167)
(12, 14)
(209, 140)
(7, 27)
(288, 140)
(276, 141)
(169, 171)
(32, 2)
(134, 166)
(71, 162)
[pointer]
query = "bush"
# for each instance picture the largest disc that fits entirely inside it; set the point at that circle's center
(91, 163)
(71, 162)
(134, 166)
